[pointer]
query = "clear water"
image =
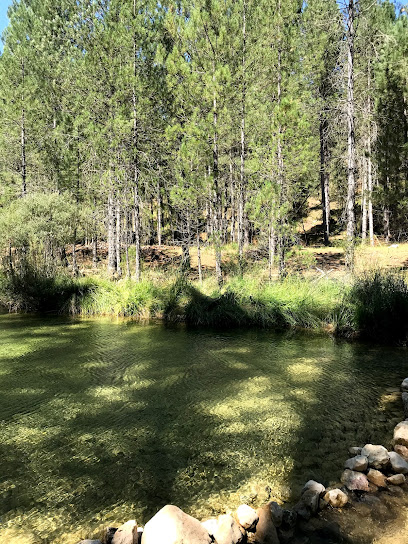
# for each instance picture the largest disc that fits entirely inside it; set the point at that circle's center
(104, 421)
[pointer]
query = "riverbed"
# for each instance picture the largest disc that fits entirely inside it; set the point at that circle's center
(105, 420)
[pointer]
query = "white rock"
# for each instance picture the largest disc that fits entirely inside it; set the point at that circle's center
(225, 530)
(396, 479)
(314, 486)
(359, 463)
(126, 533)
(211, 525)
(401, 433)
(247, 517)
(172, 526)
(404, 385)
(398, 464)
(336, 498)
(377, 455)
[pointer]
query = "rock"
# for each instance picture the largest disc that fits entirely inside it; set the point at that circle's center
(310, 499)
(126, 533)
(225, 530)
(404, 397)
(355, 451)
(302, 511)
(247, 517)
(286, 535)
(109, 534)
(401, 450)
(172, 526)
(376, 477)
(289, 518)
(311, 485)
(404, 385)
(372, 488)
(355, 481)
(377, 455)
(265, 532)
(139, 535)
(359, 463)
(276, 513)
(336, 498)
(401, 433)
(398, 464)
(396, 479)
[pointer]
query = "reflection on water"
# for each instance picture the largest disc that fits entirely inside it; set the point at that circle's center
(103, 421)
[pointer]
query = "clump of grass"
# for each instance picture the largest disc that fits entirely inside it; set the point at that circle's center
(378, 301)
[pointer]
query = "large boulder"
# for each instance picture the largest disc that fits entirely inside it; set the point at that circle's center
(265, 532)
(358, 463)
(336, 498)
(376, 477)
(377, 455)
(126, 533)
(404, 397)
(396, 479)
(398, 464)
(225, 530)
(355, 481)
(404, 385)
(172, 526)
(247, 517)
(401, 433)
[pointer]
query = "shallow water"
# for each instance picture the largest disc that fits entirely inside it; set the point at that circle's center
(103, 421)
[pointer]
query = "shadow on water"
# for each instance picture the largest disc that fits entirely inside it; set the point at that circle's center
(104, 422)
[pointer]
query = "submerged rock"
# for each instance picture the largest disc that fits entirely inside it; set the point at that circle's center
(396, 479)
(376, 477)
(225, 530)
(359, 463)
(398, 464)
(377, 455)
(172, 526)
(401, 433)
(247, 517)
(265, 532)
(355, 481)
(336, 498)
(126, 533)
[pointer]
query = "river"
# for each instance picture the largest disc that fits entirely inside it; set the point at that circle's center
(104, 420)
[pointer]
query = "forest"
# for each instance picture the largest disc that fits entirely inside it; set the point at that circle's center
(206, 126)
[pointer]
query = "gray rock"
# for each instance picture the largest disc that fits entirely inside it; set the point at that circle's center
(398, 464)
(401, 450)
(126, 533)
(404, 398)
(355, 481)
(286, 535)
(310, 499)
(359, 463)
(377, 455)
(314, 486)
(355, 451)
(289, 518)
(336, 498)
(265, 532)
(302, 511)
(172, 526)
(404, 385)
(109, 534)
(225, 530)
(247, 517)
(396, 479)
(401, 433)
(376, 477)
(276, 513)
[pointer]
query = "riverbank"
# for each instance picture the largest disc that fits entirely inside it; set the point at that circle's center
(373, 306)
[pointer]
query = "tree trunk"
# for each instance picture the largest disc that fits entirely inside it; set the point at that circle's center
(324, 181)
(200, 271)
(364, 203)
(351, 145)
(118, 240)
(95, 251)
(185, 257)
(159, 216)
(232, 199)
(23, 136)
(218, 200)
(111, 236)
(136, 189)
(272, 249)
(281, 175)
(127, 243)
(386, 216)
(241, 193)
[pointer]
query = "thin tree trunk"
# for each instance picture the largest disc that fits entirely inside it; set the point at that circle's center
(23, 136)
(118, 240)
(351, 145)
(386, 218)
(111, 235)
(241, 193)
(218, 202)
(364, 203)
(370, 199)
(272, 249)
(232, 192)
(127, 243)
(95, 251)
(136, 190)
(200, 271)
(159, 216)
(185, 256)
(324, 181)
(281, 176)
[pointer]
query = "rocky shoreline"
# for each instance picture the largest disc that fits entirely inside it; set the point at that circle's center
(371, 476)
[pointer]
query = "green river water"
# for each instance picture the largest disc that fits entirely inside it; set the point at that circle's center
(104, 421)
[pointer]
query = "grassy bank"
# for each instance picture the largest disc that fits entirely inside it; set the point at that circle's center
(372, 306)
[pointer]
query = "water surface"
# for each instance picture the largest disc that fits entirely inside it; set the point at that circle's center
(104, 421)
